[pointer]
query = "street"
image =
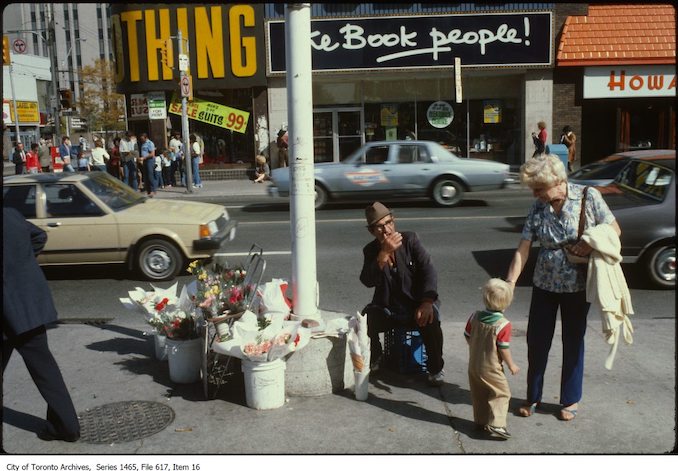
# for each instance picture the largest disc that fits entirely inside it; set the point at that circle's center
(469, 244)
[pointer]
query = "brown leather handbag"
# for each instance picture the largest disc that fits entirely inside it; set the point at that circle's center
(578, 259)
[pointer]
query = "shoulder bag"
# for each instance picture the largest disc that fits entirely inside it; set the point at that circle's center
(577, 259)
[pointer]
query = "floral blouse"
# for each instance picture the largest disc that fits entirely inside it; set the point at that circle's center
(553, 272)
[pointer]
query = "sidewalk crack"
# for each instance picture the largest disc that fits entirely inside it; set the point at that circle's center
(450, 418)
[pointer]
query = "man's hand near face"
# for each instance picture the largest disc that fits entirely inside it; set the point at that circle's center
(389, 244)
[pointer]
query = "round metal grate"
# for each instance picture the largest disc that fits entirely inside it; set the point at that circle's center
(123, 421)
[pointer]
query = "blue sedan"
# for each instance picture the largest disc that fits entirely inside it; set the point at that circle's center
(399, 170)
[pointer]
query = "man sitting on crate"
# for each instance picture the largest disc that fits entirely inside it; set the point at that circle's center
(405, 289)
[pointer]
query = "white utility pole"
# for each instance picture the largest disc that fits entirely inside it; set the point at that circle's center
(188, 160)
(302, 182)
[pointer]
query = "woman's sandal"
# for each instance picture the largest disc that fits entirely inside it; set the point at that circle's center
(567, 414)
(527, 410)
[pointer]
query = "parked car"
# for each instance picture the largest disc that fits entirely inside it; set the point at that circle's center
(604, 171)
(643, 199)
(398, 170)
(93, 218)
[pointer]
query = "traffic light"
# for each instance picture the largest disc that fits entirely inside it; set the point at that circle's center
(66, 98)
(6, 59)
(167, 52)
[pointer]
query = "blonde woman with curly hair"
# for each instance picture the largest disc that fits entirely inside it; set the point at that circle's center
(553, 220)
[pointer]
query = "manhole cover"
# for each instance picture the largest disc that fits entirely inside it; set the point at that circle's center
(124, 421)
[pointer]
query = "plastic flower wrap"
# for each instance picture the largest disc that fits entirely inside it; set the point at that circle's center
(359, 343)
(168, 314)
(255, 340)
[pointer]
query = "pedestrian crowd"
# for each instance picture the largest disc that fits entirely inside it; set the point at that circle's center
(136, 162)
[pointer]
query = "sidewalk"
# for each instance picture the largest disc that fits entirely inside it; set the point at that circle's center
(630, 409)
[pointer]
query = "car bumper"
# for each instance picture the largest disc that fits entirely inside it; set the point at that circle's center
(274, 191)
(214, 242)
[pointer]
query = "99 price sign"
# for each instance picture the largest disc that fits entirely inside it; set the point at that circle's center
(213, 113)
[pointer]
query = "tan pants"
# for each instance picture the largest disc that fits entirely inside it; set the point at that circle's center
(490, 391)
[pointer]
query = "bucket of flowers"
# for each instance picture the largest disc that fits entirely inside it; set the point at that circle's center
(221, 293)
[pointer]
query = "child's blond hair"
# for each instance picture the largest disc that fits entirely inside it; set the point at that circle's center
(497, 295)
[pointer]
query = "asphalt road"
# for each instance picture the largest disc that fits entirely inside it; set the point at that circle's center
(469, 244)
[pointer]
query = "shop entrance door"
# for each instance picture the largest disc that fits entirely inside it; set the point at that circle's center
(337, 132)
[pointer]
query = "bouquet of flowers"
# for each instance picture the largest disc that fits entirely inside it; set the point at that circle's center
(219, 290)
(168, 314)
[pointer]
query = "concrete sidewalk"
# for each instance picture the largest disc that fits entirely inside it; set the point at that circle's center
(630, 409)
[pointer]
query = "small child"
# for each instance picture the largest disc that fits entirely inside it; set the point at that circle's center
(488, 334)
(166, 166)
(157, 171)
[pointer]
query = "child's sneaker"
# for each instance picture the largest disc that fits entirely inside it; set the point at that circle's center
(500, 432)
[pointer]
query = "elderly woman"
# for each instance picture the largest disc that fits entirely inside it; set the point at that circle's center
(553, 220)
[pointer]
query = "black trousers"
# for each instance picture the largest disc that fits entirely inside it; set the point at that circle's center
(62, 420)
(381, 319)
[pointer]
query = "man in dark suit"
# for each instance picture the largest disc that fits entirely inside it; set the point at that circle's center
(405, 284)
(27, 309)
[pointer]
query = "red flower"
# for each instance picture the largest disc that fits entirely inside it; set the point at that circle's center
(161, 305)
(296, 340)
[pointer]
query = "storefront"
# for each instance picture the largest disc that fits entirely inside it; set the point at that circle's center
(624, 83)
(394, 77)
(223, 49)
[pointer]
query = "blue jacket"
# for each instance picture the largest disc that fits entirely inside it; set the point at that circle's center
(26, 299)
(413, 280)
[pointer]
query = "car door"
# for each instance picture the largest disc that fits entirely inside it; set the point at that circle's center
(368, 173)
(412, 170)
(79, 229)
(24, 198)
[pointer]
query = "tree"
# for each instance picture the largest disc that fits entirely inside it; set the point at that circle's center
(99, 104)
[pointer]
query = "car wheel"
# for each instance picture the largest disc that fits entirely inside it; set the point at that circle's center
(158, 260)
(447, 192)
(320, 196)
(660, 264)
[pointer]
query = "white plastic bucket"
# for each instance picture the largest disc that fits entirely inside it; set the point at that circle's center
(160, 347)
(362, 381)
(264, 383)
(184, 357)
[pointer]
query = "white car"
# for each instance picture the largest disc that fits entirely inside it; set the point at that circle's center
(398, 170)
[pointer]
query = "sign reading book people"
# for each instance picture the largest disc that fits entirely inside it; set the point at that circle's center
(488, 40)
(212, 113)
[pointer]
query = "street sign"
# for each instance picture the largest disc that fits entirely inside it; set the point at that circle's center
(157, 108)
(183, 62)
(19, 46)
(186, 87)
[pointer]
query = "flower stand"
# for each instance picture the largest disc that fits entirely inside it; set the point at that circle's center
(184, 357)
(264, 383)
(159, 342)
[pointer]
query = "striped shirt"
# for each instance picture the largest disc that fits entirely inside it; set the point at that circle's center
(492, 317)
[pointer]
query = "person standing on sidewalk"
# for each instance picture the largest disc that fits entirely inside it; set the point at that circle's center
(195, 160)
(405, 284)
(99, 156)
(147, 152)
(45, 155)
(488, 334)
(129, 161)
(33, 160)
(558, 283)
(175, 147)
(27, 307)
(65, 154)
(19, 159)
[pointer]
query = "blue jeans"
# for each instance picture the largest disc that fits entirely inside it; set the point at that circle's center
(540, 329)
(195, 166)
(130, 173)
(150, 185)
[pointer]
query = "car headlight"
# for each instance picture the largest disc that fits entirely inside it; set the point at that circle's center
(206, 230)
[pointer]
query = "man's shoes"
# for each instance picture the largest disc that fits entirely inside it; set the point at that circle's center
(436, 379)
(48, 436)
(499, 432)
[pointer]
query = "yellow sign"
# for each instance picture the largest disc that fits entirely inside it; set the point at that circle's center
(6, 58)
(27, 110)
(212, 113)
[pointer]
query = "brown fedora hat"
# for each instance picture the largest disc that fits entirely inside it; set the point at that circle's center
(375, 212)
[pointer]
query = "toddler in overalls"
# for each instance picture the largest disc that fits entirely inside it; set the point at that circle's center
(488, 334)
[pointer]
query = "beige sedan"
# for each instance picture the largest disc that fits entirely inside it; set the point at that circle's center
(93, 218)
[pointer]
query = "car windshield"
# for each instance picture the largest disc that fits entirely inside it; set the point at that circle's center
(599, 170)
(645, 179)
(115, 194)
